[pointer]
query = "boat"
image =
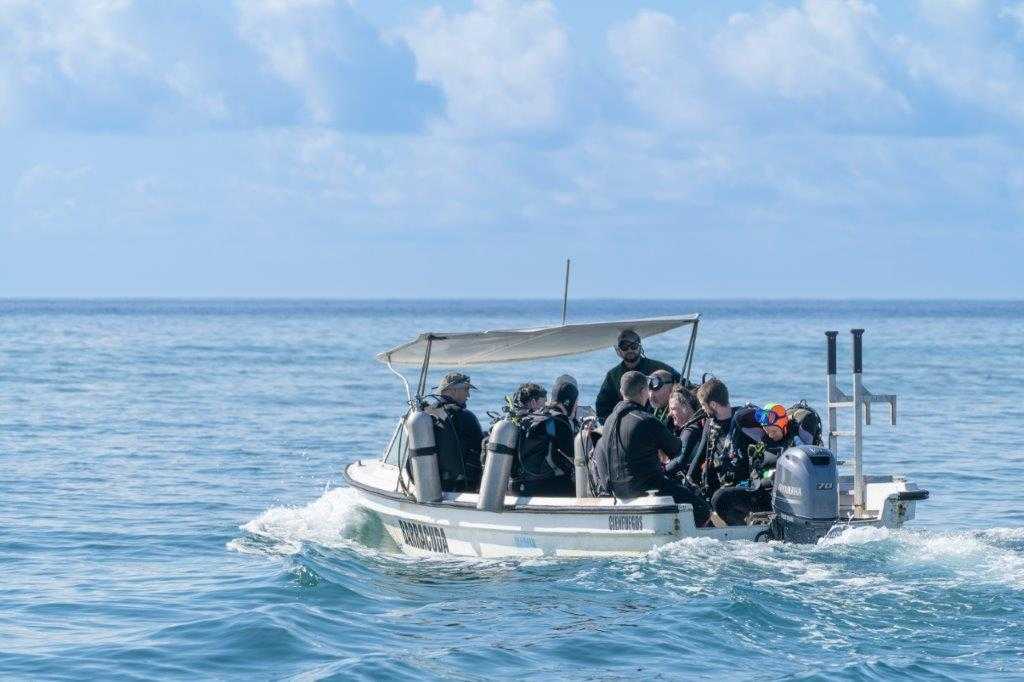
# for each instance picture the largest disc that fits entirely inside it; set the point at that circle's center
(425, 522)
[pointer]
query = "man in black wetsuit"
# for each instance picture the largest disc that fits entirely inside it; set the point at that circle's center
(545, 462)
(723, 468)
(713, 397)
(457, 433)
(633, 359)
(627, 456)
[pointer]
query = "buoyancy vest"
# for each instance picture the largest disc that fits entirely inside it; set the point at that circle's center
(541, 455)
(804, 424)
(608, 461)
(446, 439)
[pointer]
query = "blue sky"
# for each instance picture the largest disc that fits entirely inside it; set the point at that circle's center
(378, 149)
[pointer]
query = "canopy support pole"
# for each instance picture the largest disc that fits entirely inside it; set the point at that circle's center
(421, 388)
(688, 360)
(408, 394)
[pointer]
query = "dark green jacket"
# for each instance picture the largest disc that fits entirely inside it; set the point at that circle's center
(608, 397)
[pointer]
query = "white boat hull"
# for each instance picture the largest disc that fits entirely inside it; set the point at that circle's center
(564, 527)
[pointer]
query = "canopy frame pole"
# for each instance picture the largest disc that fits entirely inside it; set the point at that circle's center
(688, 360)
(405, 382)
(422, 386)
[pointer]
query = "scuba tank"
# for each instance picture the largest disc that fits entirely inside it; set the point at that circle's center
(501, 451)
(580, 466)
(426, 476)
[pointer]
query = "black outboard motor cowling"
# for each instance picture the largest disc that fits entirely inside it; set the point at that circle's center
(805, 493)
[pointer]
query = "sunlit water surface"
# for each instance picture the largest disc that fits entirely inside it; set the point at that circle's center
(173, 504)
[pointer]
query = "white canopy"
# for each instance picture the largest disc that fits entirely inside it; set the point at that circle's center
(457, 349)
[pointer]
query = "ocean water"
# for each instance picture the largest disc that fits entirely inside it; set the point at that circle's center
(172, 506)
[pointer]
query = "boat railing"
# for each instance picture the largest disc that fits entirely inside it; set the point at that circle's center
(860, 401)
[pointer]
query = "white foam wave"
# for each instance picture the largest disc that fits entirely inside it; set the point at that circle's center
(971, 555)
(856, 536)
(879, 560)
(329, 521)
(1004, 533)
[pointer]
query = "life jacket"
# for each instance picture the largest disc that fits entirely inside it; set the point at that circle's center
(804, 424)
(726, 458)
(538, 447)
(450, 463)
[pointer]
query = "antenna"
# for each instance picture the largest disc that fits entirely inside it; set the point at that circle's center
(565, 292)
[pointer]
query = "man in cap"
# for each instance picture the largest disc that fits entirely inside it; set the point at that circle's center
(457, 434)
(545, 463)
(628, 348)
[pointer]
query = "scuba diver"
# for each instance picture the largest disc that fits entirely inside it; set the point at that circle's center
(714, 459)
(628, 348)
(544, 465)
(686, 421)
(765, 438)
(457, 434)
(660, 384)
(626, 460)
(527, 398)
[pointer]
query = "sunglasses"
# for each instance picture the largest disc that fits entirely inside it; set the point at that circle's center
(656, 382)
(628, 345)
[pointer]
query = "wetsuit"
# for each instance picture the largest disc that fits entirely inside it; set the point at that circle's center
(458, 436)
(626, 458)
(609, 395)
(545, 462)
(702, 469)
(690, 439)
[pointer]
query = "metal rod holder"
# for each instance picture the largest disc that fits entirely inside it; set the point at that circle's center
(860, 401)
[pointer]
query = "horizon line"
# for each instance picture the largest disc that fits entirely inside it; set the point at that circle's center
(381, 299)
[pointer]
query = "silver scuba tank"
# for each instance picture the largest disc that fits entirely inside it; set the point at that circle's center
(426, 476)
(579, 461)
(501, 449)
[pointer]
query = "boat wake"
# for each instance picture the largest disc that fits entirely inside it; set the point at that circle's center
(878, 559)
(333, 521)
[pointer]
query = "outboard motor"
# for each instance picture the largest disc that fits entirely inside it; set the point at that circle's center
(501, 450)
(805, 494)
(426, 477)
(579, 460)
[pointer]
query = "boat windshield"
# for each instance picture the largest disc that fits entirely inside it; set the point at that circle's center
(394, 453)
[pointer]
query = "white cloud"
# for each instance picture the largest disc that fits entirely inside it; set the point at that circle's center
(1015, 13)
(503, 65)
(188, 83)
(124, 65)
(665, 68)
(830, 65)
(823, 49)
(821, 62)
(963, 56)
(296, 37)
